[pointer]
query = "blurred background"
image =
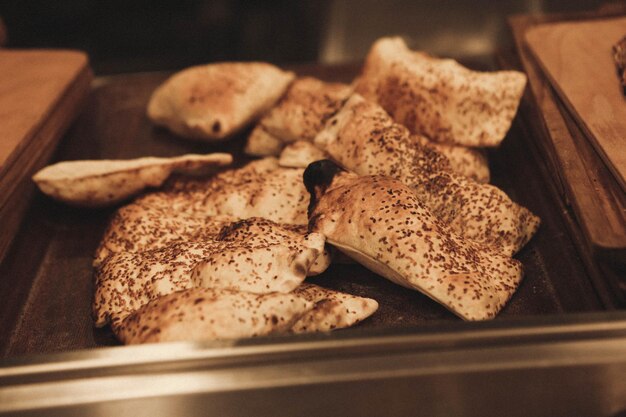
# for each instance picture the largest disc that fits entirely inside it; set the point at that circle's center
(142, 35)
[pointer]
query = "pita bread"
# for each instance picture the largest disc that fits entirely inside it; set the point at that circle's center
(300, 154)
(469, 162)
(305, 108)
(299, 115)
(204, 314)
(333, 309)
(259, 189)
(440, 98)
(365, 140)
(214, 101)
(382, 224)
(262, 143)
(100, 183)
(275, 261)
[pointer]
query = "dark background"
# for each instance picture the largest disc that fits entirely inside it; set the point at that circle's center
(142, 35)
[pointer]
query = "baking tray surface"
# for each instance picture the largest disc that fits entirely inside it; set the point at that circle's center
(47, 275)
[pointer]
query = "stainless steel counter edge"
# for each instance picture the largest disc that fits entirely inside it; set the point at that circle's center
(560, 365)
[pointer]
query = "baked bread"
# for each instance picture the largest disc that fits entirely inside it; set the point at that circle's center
(269, 262)
(300, 154)
(299, 115)
(440, 98)
(333, 309)
(364, 139)
(259, 189)
(262, 143)
(214, 101)
(205, 314)
(382, 224)
(468, 162)
(98, 183)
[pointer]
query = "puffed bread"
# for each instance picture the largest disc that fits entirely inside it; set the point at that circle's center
(262, 143)
(333, 309)
(258, 263)
(440, 98)
(98, 183)
(299, 115)
(212, 102)
(300, 154)
(469, 162)
(259, 189)
(205, 314)
(363, 138)
(304, 109)
(382, 224)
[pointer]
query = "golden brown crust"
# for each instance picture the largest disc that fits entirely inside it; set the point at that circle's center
(439, 98)
(468, 162)
(214, 101)
(333, 309)
(254, 255)
(305, 108)
(98, 183)
(365, 140)
(204, 314)
(300, 154)
(382, 224)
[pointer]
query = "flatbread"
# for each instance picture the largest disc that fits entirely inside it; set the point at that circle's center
(259, 189)
(214, 101)
(300, 154)
(440, 98)
(205, 314)
(307, 105)
(98, 183)
(262, 143)
(248, 261)
(299, 115)
(469, 162)
(333, 309)
(364, 139)
(382, 224)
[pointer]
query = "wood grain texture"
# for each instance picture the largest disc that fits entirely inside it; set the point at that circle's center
(587, 184)
(577, 58)
(593, 202)
(41, 93)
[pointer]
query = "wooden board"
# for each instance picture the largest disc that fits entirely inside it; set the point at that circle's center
(589, 187)
(577, 58)
(593, 202)
(41, 92)
(48, 308)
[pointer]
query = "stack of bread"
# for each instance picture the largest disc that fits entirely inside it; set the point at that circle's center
(389, 170)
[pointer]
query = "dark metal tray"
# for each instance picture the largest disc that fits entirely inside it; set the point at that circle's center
(46, 278)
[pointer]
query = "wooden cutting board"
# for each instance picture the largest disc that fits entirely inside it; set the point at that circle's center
(41, 92)
(576, 56)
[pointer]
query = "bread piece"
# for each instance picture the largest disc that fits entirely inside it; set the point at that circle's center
(305, 108)
(260, 189)
(262, 143)
(383, 225)
(205, 314)
(468, 162)
(440, 98)
(300, 154)
(214, 101)
(99, 183)
(273, 261)
(299, 115)
(364, 139)
(333, 309)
